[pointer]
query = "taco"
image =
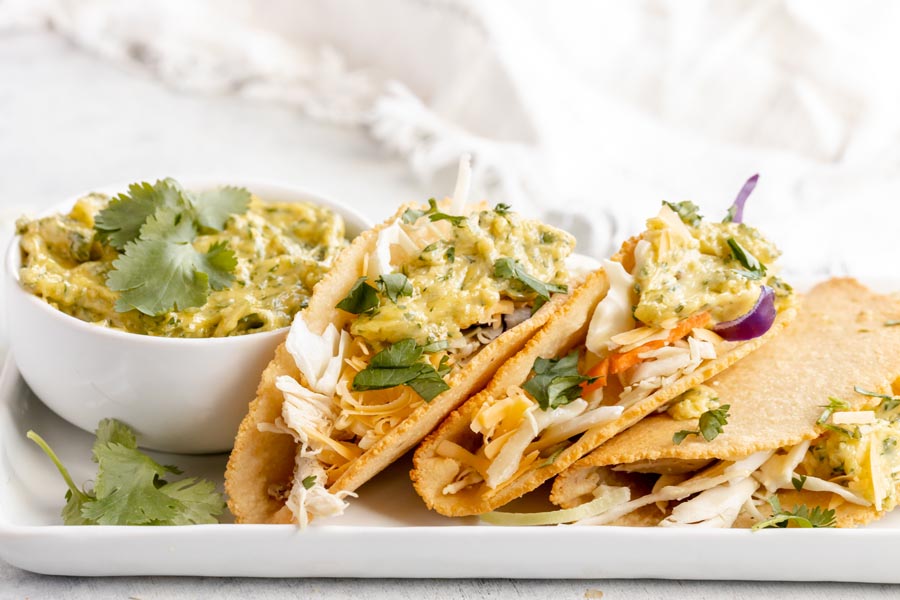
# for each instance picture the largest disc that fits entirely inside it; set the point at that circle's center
(687, 299)
(413, 318)
(808, 435)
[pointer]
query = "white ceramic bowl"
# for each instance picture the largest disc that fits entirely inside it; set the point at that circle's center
(180, 395)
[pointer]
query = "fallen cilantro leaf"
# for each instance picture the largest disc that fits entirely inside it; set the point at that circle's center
(162, 270)
(798, 482)
(801, 516)
(399, 364)
(711, 424)
(394, 285)
(749, 262)
(362, 298)
(507, 268)
(308, 482)
(212, 208)
(687, 211)
(129, 489)
(556, 381)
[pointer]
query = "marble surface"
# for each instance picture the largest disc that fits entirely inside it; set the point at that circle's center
(69, 122)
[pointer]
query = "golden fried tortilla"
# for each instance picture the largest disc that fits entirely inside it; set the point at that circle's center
(259, 472)
(565, 330)
(838, 341)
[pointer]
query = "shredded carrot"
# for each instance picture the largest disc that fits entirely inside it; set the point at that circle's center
(620, 361)
(684, 327)
(600, 371)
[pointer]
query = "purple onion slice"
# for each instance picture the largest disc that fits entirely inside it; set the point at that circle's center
(736, 212)
(752, 324)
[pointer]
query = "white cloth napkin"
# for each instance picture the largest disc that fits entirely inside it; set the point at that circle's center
(589, 113)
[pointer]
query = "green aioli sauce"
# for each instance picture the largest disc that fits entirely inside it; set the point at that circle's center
(453, 281)
(282, 249)
(680, 275)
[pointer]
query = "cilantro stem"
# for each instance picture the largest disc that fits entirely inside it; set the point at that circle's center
(31, 435)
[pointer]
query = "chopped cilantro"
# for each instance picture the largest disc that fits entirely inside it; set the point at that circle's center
(711, 424)
(502, 209)
(308, 482)
(450, 254)
(129, 488)
(556, 381)
(801, 516)
(411, 215)
(888, 402)
(833, 405)
(508, 268)
(555, 454)
(754, 268)
(362, 298)
(394, 285)
(399, 364)
(798, 482)
(687, 211)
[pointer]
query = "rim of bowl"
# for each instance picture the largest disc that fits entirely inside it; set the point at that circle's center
(353, 220)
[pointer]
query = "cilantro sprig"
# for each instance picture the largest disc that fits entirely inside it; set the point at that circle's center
(801, 516)
(556, 381)
(129, 488)
(711, 424)
(399, 364)
(154, 227)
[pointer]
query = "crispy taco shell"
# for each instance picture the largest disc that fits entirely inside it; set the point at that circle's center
(838, 341)
(260, 468)
(565, 330)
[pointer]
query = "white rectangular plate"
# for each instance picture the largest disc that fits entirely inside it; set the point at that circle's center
(387, 532)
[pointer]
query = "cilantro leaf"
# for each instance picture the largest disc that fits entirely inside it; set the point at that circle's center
(755, 268)
(798, 482)
(399, 364)
(411, 215)
(126, 491)
(508, 268)
(687, 211)
(833, 405)
(711, 424)
(502, 209)
(213, 208)
(394, 285)
(198, 499)
(162, 269)
(129, 489)
(111, 431)
(308, 482)
(556, 381)
(801, 516)
(121, 221)
(362, 298)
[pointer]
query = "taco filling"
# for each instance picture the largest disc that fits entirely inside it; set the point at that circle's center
(855, 459)
(440, 286)
(680, 296)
